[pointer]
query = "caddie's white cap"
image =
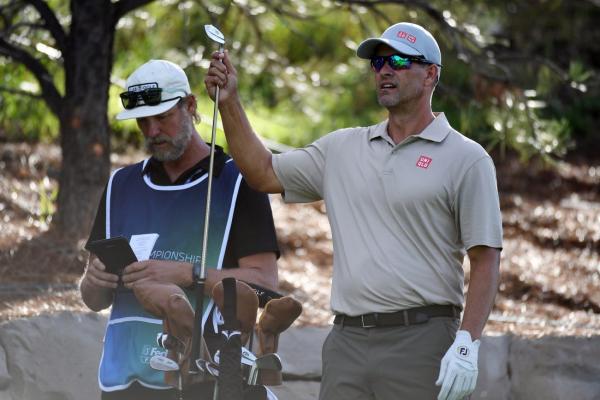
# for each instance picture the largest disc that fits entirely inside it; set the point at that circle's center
(407, 38)
(159, 74)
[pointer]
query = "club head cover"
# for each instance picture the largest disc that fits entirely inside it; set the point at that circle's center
(154, 296)
(180, 324)
(168, 302)
(246, 306)
(278, 315)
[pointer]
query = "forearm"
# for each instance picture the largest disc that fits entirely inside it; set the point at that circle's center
(260, 268)
(249, 153)
(96, 298)
(483, 286)
(250, 275)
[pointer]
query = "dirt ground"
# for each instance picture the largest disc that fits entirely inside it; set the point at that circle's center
(550, 269)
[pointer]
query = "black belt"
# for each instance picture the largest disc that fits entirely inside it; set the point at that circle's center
(412, 316)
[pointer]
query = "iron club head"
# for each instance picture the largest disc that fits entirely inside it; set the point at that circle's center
(269, 361)
(162, 363)
(248, 358)
(214, 34)
(170, 342)
(207, 367)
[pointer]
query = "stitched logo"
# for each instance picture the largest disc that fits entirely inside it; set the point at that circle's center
(143, 86)
(423, 162)
(463, 351)
(407, 36)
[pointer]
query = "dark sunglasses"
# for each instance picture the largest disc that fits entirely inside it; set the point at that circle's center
(150, 97)
(396, 61)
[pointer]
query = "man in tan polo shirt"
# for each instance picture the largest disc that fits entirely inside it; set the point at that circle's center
(406, 199)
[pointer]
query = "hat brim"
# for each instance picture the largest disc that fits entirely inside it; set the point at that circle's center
(147, 111)
(368, 47)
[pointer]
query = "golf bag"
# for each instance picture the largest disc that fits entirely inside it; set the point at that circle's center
(238, 304)
(229, 386)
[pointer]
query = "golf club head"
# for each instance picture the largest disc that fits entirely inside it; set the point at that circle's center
(214, 34)
(270, 361)
(207, 367)
(248, 358)
(253, 375)
(162, 363)
(170, 342)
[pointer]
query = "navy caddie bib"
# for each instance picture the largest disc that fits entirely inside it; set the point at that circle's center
(136, 206)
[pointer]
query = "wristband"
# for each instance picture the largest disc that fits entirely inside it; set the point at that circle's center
(263, 294)
(196, 267)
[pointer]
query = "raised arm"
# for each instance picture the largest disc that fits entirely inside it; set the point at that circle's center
(249, 153)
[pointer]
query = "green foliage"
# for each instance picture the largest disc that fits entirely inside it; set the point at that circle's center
(517, 127)
(23, 113)
(506, 82)
(23, 117)
(579, 73)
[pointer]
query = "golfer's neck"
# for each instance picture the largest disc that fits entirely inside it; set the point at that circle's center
(196, 150)
(402, 125)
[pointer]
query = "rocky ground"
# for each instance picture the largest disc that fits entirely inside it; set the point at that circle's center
(550, 270)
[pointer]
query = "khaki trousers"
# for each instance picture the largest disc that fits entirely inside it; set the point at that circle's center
(392, 363)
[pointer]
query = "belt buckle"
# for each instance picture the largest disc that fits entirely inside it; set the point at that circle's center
(372, 325)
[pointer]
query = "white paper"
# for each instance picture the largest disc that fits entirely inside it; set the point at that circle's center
(142, 245)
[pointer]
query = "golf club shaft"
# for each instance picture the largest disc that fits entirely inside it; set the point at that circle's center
(199, 328)
(213, 137)
(179, 378)
(179, 386)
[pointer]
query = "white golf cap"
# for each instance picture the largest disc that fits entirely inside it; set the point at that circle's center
(407, 38)
(156, 74)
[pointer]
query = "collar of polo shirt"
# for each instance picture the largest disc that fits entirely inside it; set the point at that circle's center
(436, 131)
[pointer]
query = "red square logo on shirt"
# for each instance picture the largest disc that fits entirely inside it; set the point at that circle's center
(423, 162)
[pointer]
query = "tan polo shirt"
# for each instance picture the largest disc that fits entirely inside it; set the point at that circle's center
(402, 216)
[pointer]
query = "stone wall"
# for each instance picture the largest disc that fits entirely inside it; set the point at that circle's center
(55, 357)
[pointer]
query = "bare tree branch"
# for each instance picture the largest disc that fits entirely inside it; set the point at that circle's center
(124, 6)
(203, 6)
(20, 92)
(11, 8)
(49, 91)
(51, 23)
(13, 28)
(254, 24)
(283, 11)
(457, 37)
(382, 15)
(281, 16)
(430, 10)
(561, 73)
(286, 13)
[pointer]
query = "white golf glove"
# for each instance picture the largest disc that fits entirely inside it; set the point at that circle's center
(458, 372)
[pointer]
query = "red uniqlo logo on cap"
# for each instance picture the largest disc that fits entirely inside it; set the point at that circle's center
(423, 162)
(407, 36)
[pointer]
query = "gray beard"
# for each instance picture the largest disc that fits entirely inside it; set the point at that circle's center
(178, 144)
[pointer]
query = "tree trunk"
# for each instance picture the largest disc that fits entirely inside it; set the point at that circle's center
(84, 127)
